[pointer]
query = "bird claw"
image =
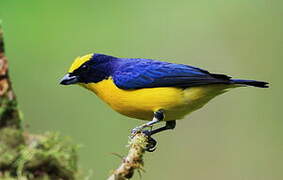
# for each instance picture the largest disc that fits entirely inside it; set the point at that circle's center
(151, 143)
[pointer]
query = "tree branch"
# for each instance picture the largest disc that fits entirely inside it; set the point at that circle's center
(134, 159)
(9, 113)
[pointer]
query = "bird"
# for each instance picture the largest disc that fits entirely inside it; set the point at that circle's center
(151, 90)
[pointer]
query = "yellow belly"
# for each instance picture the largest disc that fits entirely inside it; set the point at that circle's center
(141, 103)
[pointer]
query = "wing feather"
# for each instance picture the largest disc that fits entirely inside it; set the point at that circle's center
(146, 73)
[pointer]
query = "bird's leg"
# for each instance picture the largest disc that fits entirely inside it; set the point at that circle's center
(151, 146)
(158, 116)
(168, 125)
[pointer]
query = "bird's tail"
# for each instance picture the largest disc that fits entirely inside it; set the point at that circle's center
(260, 84)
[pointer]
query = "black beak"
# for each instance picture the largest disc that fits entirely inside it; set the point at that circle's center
(69, 79)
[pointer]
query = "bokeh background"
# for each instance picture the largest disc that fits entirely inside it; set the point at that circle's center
(237, 136)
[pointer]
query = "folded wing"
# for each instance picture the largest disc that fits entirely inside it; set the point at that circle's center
(145, 73)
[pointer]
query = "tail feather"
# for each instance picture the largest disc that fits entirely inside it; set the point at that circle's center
(260, 84)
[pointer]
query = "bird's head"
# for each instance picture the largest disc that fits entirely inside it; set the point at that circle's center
(90, 68)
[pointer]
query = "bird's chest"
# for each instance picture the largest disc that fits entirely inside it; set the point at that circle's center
(139, 103)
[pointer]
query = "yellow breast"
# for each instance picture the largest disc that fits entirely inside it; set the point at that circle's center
(141, 103)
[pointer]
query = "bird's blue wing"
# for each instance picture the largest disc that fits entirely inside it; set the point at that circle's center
(145, 73)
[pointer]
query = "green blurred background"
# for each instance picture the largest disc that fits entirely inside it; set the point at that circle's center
(237, 136)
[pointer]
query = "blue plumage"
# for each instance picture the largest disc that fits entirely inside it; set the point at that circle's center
(147, 73)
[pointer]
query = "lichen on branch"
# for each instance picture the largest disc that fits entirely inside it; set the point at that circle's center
(134, 160)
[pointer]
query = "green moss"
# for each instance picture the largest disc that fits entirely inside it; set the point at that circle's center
(49, 156)
(12, 137)
(9, 114)
(10, 142)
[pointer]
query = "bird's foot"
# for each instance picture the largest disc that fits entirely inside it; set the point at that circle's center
(151, 143)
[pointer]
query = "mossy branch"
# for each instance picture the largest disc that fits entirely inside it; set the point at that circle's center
(134, 160)
(9, 113)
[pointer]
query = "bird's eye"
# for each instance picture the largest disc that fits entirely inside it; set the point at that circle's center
(84, 66)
